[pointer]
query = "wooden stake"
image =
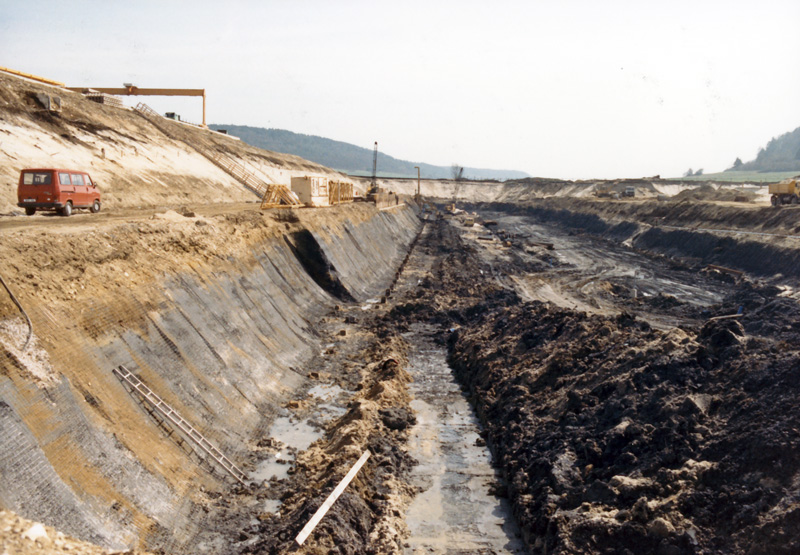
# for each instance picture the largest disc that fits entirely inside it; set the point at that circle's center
(309, 527)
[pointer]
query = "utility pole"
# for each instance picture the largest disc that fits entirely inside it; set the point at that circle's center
(374, 164)
(418, 195)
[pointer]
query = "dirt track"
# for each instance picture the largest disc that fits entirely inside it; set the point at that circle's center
(52, 220)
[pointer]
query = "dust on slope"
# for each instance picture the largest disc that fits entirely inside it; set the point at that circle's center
(91, 257)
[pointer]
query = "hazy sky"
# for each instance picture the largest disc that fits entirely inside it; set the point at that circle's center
(572, 89)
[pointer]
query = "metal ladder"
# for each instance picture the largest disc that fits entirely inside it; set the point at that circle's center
(172, 415)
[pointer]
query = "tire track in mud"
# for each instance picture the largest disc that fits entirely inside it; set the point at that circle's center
(456, 511)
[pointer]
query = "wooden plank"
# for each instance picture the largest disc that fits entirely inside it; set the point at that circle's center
(309, 527)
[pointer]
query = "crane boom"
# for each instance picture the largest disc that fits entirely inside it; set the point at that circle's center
(132, 90)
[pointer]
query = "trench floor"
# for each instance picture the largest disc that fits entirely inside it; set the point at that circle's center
(455, 513)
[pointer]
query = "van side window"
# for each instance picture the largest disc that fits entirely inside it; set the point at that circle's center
(88, 180)
(77, 179)
(63, 179)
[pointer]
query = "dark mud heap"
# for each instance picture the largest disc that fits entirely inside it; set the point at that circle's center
(615, 437)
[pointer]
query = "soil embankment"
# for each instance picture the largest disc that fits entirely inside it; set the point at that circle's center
(762, 241)
(218, 315)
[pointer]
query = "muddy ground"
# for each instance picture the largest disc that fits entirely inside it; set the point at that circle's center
(634, 424)
(614, 435)
(620, 415)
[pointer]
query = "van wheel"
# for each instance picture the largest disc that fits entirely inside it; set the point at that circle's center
(793, 199)
(67, 210)
(95, 207)
(30, 211)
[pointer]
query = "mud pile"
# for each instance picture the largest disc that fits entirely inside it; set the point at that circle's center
(365, 519)
(616, 437)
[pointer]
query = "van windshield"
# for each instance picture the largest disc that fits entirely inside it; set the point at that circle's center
(36, 178)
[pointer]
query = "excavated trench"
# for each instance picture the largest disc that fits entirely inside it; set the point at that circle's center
(224, 341)
(597, 408)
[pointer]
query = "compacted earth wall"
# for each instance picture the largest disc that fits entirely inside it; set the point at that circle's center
(216, 315)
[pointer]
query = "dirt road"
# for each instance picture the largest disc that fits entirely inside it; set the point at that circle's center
(84, 219)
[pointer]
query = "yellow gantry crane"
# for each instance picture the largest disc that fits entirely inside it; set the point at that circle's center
(133, 90)
(126, 90)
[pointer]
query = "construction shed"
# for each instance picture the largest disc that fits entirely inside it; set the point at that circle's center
(311, 190)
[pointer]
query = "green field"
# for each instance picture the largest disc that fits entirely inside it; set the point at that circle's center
(738, 177)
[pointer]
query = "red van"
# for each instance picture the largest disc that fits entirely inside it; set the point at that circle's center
(62, 190)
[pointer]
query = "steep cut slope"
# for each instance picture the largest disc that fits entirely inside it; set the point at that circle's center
(217, 315)
(135, 164)
(217, 309)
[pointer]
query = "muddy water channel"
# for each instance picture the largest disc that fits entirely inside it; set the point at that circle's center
(455, 511)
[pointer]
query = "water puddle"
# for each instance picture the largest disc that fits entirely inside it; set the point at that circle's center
(270, 468)
(296, 434)
(272, 505)
(331, 406)
(454, 513)
(369, 304)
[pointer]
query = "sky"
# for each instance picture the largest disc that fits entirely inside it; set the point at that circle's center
(574, 89)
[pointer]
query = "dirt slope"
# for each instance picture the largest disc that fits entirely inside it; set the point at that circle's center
(134, 163)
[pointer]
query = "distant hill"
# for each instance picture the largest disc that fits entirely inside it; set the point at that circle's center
(782, 154)
(349, 158)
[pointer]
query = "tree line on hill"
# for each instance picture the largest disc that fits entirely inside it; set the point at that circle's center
(781, 154)
(352, 159)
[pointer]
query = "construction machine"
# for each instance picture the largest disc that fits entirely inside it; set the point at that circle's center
(785, 192)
